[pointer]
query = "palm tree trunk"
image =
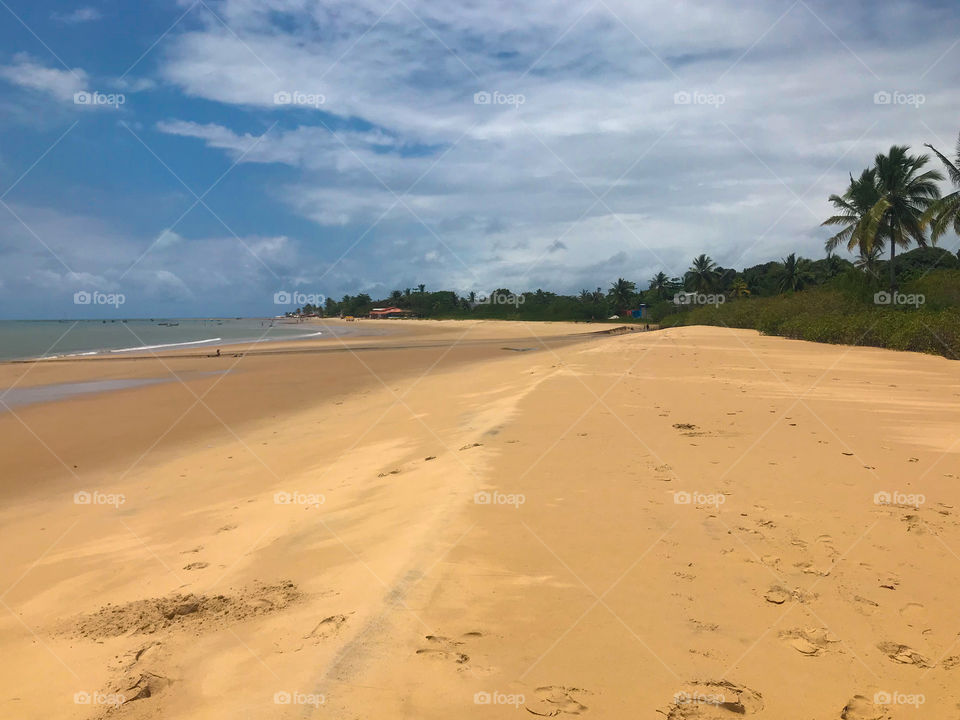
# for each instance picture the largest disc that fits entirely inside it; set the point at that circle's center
(893, 255)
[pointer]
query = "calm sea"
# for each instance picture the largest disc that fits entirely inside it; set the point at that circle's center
(58, 338)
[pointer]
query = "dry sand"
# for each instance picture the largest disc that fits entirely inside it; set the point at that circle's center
(676, 524)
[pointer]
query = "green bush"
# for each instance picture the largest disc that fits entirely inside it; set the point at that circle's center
(840, 315)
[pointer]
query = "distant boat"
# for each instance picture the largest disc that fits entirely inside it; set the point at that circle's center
(169, 324)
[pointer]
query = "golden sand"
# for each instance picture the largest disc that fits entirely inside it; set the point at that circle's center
(691, 523)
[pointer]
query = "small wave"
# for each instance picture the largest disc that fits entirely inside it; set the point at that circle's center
(165, 346)
(66, 355)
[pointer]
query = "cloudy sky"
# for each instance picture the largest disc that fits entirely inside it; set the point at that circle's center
(200, 156)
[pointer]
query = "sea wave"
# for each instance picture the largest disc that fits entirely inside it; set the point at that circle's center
(166, 346)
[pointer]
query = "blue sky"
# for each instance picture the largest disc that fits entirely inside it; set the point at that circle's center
(620, 139)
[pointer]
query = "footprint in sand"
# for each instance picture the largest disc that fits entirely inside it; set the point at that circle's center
(444, 648)
(142, 686)
(714, 700)
(821, 557)
(778, 595)
(196, 566)
(809, 641)
(862, 708)
(913, 613)
(903, 654)
(126, 662)
(553, 700)
(864, 605)
(328, 627)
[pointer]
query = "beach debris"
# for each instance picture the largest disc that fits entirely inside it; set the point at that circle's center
(471, 445)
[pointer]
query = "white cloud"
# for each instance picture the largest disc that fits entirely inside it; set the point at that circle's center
(27, 73)
(79, 15)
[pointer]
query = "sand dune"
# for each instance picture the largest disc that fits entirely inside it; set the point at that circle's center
(692, 523)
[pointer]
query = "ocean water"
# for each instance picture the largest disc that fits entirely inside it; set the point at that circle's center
(21, 339)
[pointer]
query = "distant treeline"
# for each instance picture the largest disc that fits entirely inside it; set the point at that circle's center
(789, 276)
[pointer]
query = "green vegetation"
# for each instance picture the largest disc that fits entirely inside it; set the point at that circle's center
(843, 312)
(892, 205)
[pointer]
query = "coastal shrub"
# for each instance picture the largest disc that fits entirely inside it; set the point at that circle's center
(841, 316)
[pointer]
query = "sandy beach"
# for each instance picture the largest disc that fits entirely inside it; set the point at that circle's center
(486, 520)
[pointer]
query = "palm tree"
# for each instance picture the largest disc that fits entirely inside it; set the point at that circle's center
(868, 260)
(855, 214)
(621, 294)
(906, 196)
(585, 296)
(396, 296)
(661, 283)
(947, 211)
(702, 275)
(739, 288)
(421, 288)
(794, 274)
(834, 265)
